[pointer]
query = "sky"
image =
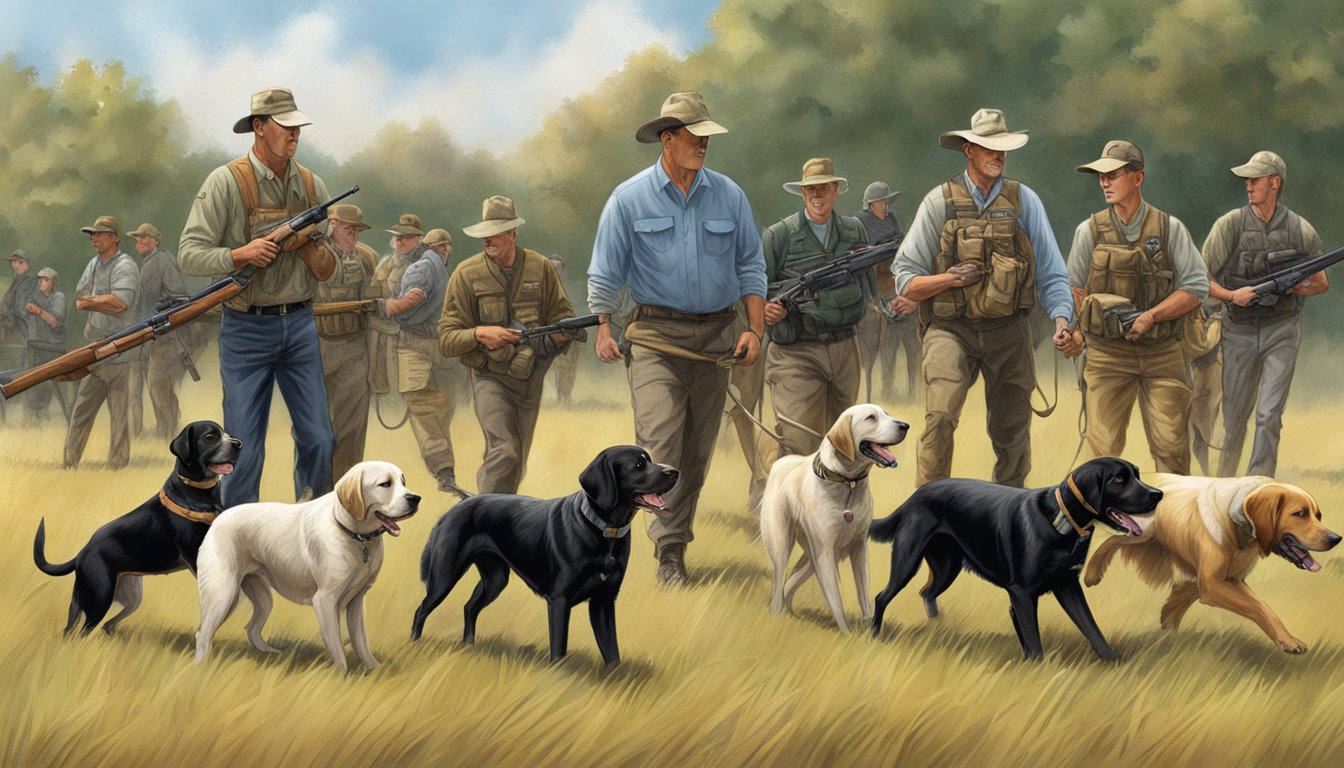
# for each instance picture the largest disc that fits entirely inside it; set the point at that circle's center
(487, 70)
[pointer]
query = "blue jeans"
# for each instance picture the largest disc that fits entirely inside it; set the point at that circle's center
(255, 353)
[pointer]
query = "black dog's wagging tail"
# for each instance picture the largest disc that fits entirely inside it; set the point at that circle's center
(40, 557)
(884, 529)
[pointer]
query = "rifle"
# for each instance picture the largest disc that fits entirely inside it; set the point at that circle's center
(1276, 284)
(342, 307)
(75, 364)
(568, 326)
(833, 274)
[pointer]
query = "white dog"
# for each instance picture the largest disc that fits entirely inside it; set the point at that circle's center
(822, 501)
(325, 553)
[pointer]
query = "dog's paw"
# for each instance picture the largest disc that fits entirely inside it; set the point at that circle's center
(1091, 579)
(1292, 645)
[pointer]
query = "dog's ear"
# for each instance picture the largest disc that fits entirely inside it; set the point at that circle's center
(1093, 476)
(184, 445)
(842, 436)
(1264, 507)
(598, 481)
(350, 492)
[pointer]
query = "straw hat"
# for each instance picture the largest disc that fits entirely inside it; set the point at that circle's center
(818, 170)
(989, 129)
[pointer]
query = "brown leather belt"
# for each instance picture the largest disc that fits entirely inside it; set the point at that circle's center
(663, 313)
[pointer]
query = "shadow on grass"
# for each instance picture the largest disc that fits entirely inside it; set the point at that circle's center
(295, 655)
(740, 521)
(582, 664)
(734, 572)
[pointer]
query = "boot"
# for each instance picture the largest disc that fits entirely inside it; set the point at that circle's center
(448, 483)
(672, 565)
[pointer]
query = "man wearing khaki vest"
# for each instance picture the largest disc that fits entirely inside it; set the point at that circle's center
(812, 362)
(343, 337)
(1133, 257)
(683, 239)
(979, 255)
(491, 295)
(267, 335)
(1259, 341)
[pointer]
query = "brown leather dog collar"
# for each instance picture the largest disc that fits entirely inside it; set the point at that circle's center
(204, 485)
(826, 473)
(1064, 509)
(181, 511)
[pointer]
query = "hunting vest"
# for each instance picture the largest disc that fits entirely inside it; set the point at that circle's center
(1259, 251)
(797, 251)
(353, 272)
(281, 271)
(992, 238)
(517, 305)
(1140, 272)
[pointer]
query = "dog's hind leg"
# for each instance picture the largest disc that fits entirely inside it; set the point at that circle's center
(602, 615)
(494, 578)
(557, 619)
(444, 573)
(260, 596)
(72, 617)
(1022, 609)
(906, 553)
(828, 576)
(1183, 595)
(130, 592)
(944, 559)
(802, 571)
(217, 581)
(1071, 599)
(95, 588)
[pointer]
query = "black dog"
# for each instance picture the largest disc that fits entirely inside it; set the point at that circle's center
(1027, 541)
(567, 550)
(160, 536)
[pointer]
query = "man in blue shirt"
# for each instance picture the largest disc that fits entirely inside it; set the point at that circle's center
(683, 239)
(979, 254)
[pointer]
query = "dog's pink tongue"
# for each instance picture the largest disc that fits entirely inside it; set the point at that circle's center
(1311, 563)
(222, 469)
(391, 527)
(652, 499)
(1127, 523)
(881, 450)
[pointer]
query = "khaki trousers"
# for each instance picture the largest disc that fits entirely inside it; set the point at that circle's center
(345, 368)
(1118, 372)
(425, 382)
(163, 375)
(953, 357)
(811, 382)
(111, 383)
(750, 383)
(507, 409)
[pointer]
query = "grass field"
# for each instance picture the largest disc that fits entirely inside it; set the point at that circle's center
(709, 678)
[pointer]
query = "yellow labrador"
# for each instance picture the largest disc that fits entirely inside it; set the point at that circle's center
(325, 553)
(822, 502)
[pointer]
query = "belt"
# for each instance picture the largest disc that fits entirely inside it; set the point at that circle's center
(274, 309)
(837, 335)
(648, 310)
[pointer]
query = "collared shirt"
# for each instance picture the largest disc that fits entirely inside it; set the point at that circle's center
(921, 244)
(119, 277)
(38, 330)
(1190, 275)
(429, 274)
(693, 253)
(1223, 238)
(217, 224)
(160, 278)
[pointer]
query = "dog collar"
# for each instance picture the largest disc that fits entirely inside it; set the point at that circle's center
(182, 511)
(608, 530)
(360, 537)
(204, 485)
(1063, 521)
(826, 473)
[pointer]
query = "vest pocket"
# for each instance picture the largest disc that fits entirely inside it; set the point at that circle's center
(1116, 269)
(494, 310)
(997, 296)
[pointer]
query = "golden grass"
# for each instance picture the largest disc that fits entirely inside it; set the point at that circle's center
(709, 678)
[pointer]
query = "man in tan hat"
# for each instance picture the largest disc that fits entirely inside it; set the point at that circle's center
(812, 362)
(1259, 341)
(343, 338)
(978, 256)
(423, 375)
(45, 340)
(161, 284)
(107, 290)
(490, 297)
(267, 335)
(683, 239)
(881, 336)
(1131, 255)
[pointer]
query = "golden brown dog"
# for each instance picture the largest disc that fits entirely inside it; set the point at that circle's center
(1207, 535)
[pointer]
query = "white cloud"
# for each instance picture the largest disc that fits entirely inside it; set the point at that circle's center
(486, 102)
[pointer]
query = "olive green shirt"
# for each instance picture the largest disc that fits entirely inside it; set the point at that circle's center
(478, 287)
(218, 223)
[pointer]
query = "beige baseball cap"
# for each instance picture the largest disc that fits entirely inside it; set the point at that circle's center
(103, 224)
(438, 237)
(277, 104)
(685, 108)
(818, 170)
(1117, 154)
(498, 214)
(146, 230)
(407, 224)
(1262, 163)
(989, 129)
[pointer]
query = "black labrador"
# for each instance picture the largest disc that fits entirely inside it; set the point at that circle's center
(1027, 541)
(160, 536)
(567, 550)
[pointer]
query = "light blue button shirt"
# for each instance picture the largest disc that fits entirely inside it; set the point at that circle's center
(693, 253)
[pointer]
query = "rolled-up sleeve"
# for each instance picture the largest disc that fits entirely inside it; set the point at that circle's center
(611, 257)
(1191, 274)
(915, 256)
(750, 256)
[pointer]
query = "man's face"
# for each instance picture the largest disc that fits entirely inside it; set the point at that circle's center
(344, 234)
(145, 245)
(104, 242)
(405, 243)
(984, 163)
(1121, 186)
(499, 248)
(445, 250)
(277, 140)
(45, 285)
(879, 208)
(684, 149)
(1259, 189)
(19, 266)
(819, 199)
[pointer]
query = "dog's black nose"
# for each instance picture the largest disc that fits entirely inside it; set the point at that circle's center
(413, 499)
(901, 425)
(1331, 539)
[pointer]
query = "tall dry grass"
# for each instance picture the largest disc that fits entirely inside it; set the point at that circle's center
(709, 677)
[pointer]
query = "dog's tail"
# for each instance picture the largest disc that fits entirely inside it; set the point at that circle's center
(884, 529)
(40, 557)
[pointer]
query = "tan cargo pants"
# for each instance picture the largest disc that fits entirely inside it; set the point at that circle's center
(507, 409)
(425, 382)
(811, 382)
(345, 367)
(1119, 372)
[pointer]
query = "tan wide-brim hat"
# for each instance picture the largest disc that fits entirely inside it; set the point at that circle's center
(686, 108)
(407, 224)
(103, 224)
(438, 237)
(348, 213)
(498, 214)
(1117, 154)
(277, 104)
(818, 170)
(878, 190)
(1263, 163)
(146, 230)
(989, 129)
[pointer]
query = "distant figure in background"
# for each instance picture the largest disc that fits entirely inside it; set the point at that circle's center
(566, 363)
(46, 342)
(161, 282)
(13, 319)
(880, 337)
